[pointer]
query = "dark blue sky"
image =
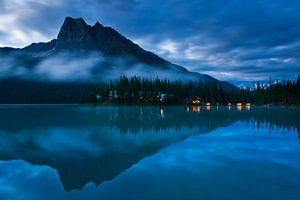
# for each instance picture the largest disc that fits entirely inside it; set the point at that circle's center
(234, 40)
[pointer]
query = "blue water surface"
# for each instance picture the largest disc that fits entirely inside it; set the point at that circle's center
(131, 152)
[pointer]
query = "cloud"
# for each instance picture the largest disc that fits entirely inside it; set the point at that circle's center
(66, 68)
(87, 68)
(197, 34)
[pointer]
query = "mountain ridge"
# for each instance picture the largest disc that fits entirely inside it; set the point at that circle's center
(98, 37)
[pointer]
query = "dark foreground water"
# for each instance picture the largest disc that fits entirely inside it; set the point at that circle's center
(80, 152)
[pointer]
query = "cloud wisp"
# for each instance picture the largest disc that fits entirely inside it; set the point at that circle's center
(85, 68)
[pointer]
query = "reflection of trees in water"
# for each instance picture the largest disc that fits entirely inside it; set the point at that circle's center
(134, 119)
(146, 119)
(283, 120)
(76, 167)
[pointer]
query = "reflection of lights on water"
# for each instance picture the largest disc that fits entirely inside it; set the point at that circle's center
(248, 106)
(141, 111)
(208, 107)
(162, 114)
(229, 106)
(239, 108)
(196, 109)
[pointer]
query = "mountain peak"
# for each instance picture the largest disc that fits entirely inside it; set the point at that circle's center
(99, 25)
(74, 35)
(74, 20)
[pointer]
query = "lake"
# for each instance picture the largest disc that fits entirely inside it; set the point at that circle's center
(132, 152)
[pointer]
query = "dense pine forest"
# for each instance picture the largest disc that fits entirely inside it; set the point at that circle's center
(137, 90)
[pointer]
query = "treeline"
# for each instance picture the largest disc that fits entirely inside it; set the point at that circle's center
(149, 91)
(278, 93)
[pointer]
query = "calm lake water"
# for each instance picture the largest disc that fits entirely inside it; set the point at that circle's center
(119, 152)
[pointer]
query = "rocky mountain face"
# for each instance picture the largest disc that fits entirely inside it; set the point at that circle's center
(76, 35)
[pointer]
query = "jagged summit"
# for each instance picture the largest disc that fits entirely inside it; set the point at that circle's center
(74, 35)
(77, 35)
(76, 20)
(98, 25)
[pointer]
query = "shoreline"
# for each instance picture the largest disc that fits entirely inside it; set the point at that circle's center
(154, 105)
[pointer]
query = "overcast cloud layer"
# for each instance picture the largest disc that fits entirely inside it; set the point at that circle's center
(238, 40)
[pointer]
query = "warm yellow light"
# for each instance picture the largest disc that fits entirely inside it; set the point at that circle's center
(239, 104)
(208, 104)
(196, 101)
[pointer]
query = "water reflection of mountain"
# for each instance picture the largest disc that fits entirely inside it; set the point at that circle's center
(96, 144)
